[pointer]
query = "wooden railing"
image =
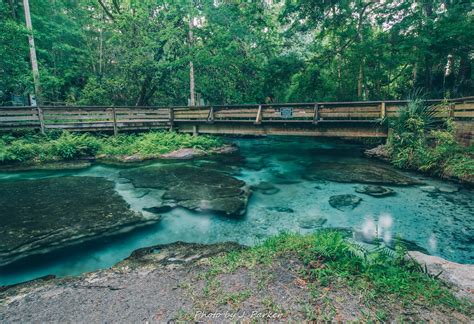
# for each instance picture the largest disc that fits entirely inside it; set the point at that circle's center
(95, 118)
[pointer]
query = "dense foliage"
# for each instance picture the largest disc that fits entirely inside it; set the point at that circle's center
(416, 143)
(130, 52)
(54, 146)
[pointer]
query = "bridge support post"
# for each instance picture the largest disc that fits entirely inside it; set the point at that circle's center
(316, 114)
(195, 130)
(210, 116)
(383, 110)
(41, 119)
(452, 107)
(171, 117)
(114, 119)
(258, 120)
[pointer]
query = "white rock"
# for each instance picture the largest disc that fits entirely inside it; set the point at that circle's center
(448, 189)
(461, 276)
(428, 188)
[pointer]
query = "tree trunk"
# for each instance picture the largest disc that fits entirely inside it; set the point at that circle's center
(360, 81)
(34, 61)
(192, 101)
(142, 95)
(101, 50)
(415, 73)
(428, 11)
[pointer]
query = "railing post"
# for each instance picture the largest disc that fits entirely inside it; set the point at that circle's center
(171, 117)
(114, 118)
(316, 114)
(383, 110)
(258, 120)
(195, 130)
(452, 107)
(41, 119)
(210, 117)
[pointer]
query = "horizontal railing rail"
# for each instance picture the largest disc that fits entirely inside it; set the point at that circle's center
(104, 118)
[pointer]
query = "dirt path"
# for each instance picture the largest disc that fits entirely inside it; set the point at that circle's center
(176, 282)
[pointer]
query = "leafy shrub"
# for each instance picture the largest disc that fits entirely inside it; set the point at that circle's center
(415, 143)
(56, 145)
(154, 143)
(69, 146)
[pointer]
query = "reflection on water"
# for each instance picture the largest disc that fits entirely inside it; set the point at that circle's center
(289, 199)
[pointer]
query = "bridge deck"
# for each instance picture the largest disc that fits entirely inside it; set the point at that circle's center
(347, 119)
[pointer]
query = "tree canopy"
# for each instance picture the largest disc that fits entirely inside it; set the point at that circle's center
(137, 52)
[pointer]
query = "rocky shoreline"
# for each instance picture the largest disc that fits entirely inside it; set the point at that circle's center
(181, 154)
(168, 283)
(380, 153)
(67, 211)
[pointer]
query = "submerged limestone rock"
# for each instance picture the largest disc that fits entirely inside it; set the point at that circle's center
(194, 188)
(429, 189)
(281, 209)
(159, 209)
(448, 189)
(344, 202)
(312, 223)
(266, 188)
(37, 216)
(358, 173)
(375, 191)
(49, 166)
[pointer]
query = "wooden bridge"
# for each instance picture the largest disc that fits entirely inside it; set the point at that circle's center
(330, 119)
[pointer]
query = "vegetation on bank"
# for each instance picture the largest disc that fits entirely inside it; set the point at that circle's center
(385, 280)
(417, 141)
(55, 146)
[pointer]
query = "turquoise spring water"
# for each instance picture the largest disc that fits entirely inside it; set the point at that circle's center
(440, 223)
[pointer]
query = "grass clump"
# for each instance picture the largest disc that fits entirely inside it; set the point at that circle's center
(419, 142)
(55, 146)
(331, 260)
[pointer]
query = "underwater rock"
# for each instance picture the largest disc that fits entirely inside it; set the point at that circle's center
(159, 209)
(255, 165)
(194, 188)
(460, 276)
(226, 149)
(140, 193)
(49, 166)
(281, 209)
(448, 189)
(280, 178)
(429, 189)
(358, 173)
(285, 181)
(375, 191)
(265, 188)
(344, 202)
(122, 181)
(37, 216)
(218, 166)
(312, 223)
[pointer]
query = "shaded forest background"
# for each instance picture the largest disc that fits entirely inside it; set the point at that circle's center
(130, 52)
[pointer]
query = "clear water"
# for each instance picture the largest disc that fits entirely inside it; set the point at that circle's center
(442, 224)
